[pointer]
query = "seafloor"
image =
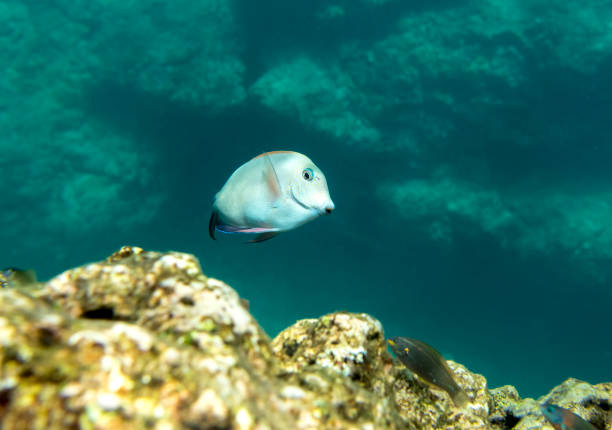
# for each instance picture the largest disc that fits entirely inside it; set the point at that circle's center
(144, 340)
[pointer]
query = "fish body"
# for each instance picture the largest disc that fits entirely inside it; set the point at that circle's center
(429, 365)
(13, 277)
(563, 419)
(274, 192)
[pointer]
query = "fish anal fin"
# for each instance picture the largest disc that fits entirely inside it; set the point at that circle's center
(237, 229)
(264, 236)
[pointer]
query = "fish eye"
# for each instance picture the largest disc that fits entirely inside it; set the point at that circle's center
(308, 174)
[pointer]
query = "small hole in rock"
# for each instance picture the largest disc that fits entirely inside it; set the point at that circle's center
(6, 395)
(46, 336)
(290, 347)
(604, 404)
(26, 372)
(102, 313)
(373, 335)
(508, 422)
(187, 301)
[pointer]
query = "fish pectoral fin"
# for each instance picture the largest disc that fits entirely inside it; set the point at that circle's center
(271, 180)
(264, 236)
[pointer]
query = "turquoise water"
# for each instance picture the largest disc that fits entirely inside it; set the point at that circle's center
(466, 146)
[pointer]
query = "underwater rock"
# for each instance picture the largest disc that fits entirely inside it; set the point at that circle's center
(427, 407)
(536, 224)
(443, 205)
(145, 340)
(140, 340)
(181, 51)
(321, 97)
(161, 292)
(509, 411)
(591, 402)
(348, 344)
(69, 66)
(60, 165)
(340, 358)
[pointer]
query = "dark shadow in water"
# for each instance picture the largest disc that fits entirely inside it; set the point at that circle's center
(556, 131)
(275, 28)
(199, 150)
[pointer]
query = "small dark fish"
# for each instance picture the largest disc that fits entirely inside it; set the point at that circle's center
(562, 419)
(13, 277)
(429, 365)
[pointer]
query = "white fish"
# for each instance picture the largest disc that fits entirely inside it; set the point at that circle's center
(274, 192)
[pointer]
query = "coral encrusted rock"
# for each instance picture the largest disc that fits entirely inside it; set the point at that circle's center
(146, 340)
(142, 340)
(341, 359)
(591, 402)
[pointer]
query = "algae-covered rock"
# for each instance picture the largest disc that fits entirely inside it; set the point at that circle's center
(349, 344)
(426, 407)
(510, 411)
(162, 292)
(146, 340)
(353, 345)
(342, 359)
(591, 402)
(320, 96)
(142, 340)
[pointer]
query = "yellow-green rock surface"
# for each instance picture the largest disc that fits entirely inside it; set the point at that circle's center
(145, 340)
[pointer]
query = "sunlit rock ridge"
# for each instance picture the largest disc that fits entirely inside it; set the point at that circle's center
(146, 340)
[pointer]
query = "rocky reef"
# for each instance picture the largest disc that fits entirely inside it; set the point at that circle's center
(146, 340)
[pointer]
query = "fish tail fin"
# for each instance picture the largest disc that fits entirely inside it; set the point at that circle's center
(212, 224)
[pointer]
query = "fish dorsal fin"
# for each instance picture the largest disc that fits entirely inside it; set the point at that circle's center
(265, 154)
(272, 180)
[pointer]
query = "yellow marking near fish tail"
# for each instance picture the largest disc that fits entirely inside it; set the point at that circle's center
(391, 342)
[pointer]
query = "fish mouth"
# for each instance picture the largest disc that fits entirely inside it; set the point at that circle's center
(328, 209)
(298, 201)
